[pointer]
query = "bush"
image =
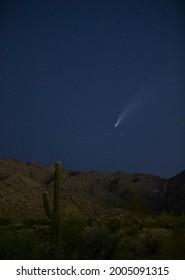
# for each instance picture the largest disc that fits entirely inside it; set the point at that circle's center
(151, 245)
(21, 245)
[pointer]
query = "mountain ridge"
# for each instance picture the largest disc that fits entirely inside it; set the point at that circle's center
(92, 193)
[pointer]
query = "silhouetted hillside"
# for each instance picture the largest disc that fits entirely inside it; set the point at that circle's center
(175, 192)
(93, 193)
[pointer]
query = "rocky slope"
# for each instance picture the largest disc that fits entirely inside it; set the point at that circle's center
(174, 192)
(93, 193)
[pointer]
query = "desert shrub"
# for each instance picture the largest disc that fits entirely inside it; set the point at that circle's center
(180, 221)
(129, 219)
(132, 221)
(30, 222)
(150, 221)
(173, 247)
(171, 221)
(18, 245)
(73, 224)
(131, 231)
(95, 239)
(164, 219)
(114, 224)
(151, 245)
(5, 221)
(129, 248)
(100, 243)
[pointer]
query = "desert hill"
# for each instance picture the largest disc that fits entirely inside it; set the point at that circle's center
(93, 193)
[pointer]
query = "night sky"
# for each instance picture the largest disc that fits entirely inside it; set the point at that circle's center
(70, 70)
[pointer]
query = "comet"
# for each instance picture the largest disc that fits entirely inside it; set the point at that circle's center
(121, 117)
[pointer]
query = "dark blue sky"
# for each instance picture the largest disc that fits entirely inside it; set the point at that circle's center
(68, 69)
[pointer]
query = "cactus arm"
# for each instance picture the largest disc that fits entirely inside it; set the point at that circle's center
(47, 204)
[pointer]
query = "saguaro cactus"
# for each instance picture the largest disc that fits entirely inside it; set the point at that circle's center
(55, 217)
(56, 221)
